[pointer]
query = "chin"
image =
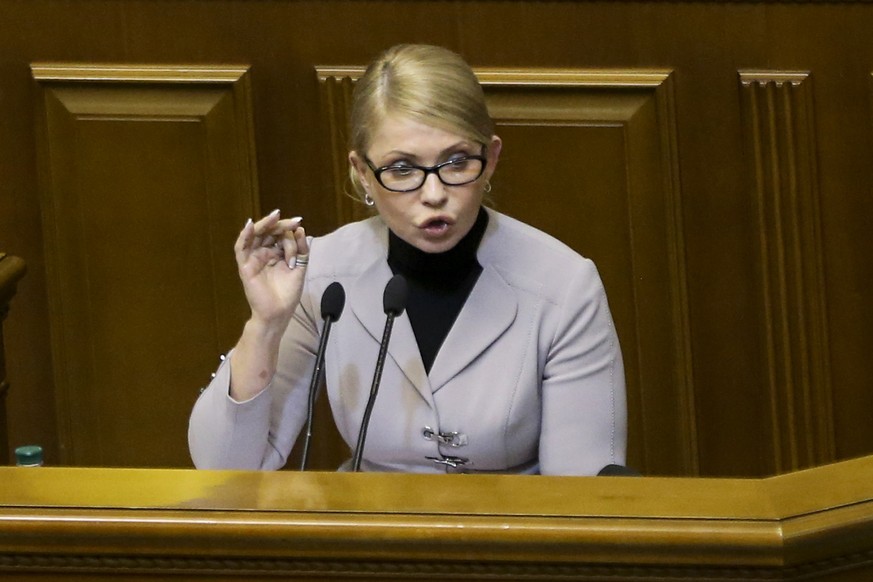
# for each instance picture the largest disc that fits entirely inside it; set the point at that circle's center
(434, 247)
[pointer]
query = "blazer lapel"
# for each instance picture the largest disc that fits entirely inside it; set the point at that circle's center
(489, 311)
(366, 303)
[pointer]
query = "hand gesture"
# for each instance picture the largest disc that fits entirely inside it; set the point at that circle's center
(271, 255)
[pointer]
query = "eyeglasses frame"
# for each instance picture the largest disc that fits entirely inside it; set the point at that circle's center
(377, 172)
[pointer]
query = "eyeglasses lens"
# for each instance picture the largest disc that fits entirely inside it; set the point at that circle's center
(455, 173)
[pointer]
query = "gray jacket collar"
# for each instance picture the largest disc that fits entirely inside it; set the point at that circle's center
(489, 311)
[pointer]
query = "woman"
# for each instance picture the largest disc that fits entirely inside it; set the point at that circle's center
(506, 359)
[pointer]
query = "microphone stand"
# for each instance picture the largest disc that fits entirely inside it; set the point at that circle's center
(394, 302)
(332, 303)
(313, 387)
(380, 362)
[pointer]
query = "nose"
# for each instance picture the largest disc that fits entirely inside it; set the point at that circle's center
(433, 192)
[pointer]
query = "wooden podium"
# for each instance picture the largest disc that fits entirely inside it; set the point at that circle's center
(129, 524)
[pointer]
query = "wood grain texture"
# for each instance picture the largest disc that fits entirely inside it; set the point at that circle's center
(183, 524)
(145, 171)
(621, 208)
(778, 111)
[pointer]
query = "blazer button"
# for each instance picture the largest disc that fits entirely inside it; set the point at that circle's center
(452, 439)
(453, 462)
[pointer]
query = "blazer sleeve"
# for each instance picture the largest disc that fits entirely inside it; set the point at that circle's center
(584, 414)
(258, 433)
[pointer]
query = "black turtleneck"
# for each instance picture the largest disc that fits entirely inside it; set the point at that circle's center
(439, 284)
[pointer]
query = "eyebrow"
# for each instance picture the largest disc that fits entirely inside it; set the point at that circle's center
(457, 146)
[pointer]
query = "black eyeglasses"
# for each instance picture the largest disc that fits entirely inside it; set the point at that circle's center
(406, 177)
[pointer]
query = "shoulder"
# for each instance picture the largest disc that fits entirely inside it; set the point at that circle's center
(348, 250)
(532, 260)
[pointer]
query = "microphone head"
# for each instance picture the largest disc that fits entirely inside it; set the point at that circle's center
(617, 471)
(394, 299)
(332, 301)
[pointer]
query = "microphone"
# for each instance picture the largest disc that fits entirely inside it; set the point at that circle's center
(332, 302)
(617, 471)
(394, 302)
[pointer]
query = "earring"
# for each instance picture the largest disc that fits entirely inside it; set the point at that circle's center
(487, 186)
(368, 200)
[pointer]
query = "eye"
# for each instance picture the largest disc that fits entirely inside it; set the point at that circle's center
(399, 170)
(459, 164)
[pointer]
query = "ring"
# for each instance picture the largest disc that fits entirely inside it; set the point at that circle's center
(303, 260)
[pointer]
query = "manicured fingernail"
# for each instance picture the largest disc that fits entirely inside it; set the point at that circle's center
(297, 219)
(274, 213)
(248, 222)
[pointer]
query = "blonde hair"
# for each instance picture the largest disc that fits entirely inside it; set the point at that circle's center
(428, 84)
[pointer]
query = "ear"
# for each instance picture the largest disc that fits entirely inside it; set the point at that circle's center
(493, 154)
(360, 167)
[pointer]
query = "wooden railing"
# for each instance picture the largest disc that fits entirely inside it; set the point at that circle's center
(11, 270)
(126, 524)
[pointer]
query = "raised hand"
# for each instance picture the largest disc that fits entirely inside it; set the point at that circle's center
(271, 255)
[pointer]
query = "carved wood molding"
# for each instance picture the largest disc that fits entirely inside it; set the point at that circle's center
(809, 525)
(157, 165)
(639, 103)
(781, 143)
(336, 86)
(128, 73)
(381, 569)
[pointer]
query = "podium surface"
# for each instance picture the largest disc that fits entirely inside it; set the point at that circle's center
(131, 524)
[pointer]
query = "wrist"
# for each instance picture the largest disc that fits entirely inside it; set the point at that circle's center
(255, 357)
(265, 330)
(260, 339)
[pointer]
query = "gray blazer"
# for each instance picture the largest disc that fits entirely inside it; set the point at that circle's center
(528, 380)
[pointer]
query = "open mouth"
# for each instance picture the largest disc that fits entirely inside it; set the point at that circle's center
(435, 226)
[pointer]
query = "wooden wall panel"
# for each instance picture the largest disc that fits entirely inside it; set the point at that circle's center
(588, 157)
(335, 85)
(780, 129)
(146, 172)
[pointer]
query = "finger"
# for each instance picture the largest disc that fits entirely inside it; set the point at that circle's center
(289, 246)
(302, 243)
(302, 248)
(287, 225)
(243, 242)
(266, 224)
(283, 227)
(301, 261)
(297, 241)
